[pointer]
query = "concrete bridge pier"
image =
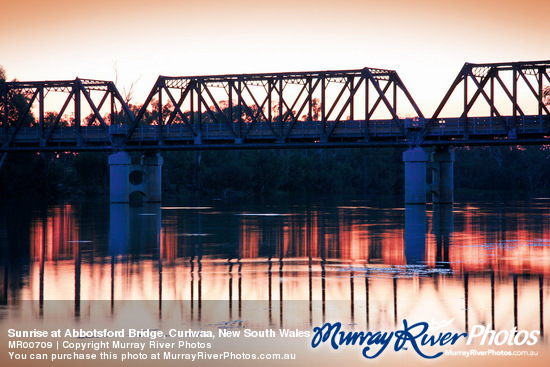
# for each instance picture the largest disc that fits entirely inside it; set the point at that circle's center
(440, 164)
(442, 186)
(151, 164)
(135, 182)
(416, 161)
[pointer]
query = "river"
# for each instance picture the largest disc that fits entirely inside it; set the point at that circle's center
(279, 263)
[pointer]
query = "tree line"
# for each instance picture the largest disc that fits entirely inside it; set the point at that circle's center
(263, 172)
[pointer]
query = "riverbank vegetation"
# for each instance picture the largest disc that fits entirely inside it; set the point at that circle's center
(260, 172)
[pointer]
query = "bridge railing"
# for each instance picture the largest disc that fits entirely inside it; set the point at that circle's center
(311, 131)
(303, 131)
(518, 87)
(460, 127)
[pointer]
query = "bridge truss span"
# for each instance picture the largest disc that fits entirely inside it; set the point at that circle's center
(326, 106)
(70, 114)
(212, 112)
(497, 101)
(491, 104)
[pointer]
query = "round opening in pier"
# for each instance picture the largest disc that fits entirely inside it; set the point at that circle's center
(432, 176)
(136, 177)
(137, 198)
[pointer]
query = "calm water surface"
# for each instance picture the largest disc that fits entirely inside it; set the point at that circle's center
(366, 263)
(478, 261)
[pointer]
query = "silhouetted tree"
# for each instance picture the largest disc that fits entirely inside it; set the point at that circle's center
(17, 103)
(546, 95)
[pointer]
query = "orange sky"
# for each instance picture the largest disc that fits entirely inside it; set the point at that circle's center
(426, 41)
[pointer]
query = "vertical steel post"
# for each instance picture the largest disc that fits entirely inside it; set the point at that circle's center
(41, 115)
(323, 102)
(196, 124)
(394, 96)
(466, 132)
(113, 112)
(240, 119)
(352, 98)
(230, 102)
(270, 102)
(159, 127)
(367, 117)
(539, 78)
(199, 107)
(77, 112)
(310, 100)
(6, 112)
(281, 107)
(192, 106)
(493, 94)
(515, 95)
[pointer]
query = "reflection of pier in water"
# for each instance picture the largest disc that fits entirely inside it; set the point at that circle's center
(341, 268)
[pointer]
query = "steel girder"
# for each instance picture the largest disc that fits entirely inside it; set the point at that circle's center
(520, 84)
(317, 109)
(249, 107)
(20, 100)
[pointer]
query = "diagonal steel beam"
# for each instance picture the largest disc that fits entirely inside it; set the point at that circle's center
(58, 117)
(254, 116)
(225, 119)
(337, 99)
(411, 100)
(183, 96)
(387, 103)
(493, 109)
(460, 77)
(248, 110)
(533, 90)
(99, 107)
(142, 111)
(22, 118)
(125, 107)
(288, 113)
(209, 111)
(304, 88)
(178, 111)
(306, 101)
(96, 111)
(508, 94)
(267, 99)
(378, 100)
(476, 95)
(346, 104)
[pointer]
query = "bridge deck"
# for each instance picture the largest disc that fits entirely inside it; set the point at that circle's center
(219, 135)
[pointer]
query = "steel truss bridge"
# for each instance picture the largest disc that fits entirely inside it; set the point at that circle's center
(498, 104)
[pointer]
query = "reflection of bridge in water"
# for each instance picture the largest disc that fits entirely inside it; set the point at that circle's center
(326, 266)
(500, 104)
